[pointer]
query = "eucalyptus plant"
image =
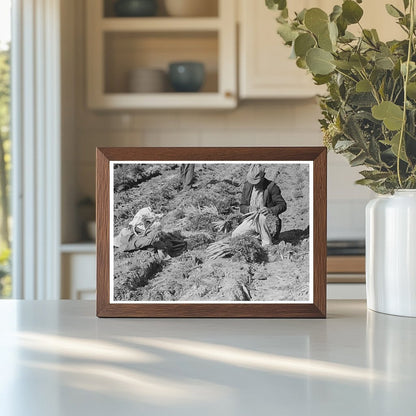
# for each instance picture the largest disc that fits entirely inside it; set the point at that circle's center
(369, 111)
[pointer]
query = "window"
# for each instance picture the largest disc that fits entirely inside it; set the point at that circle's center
(5, 147)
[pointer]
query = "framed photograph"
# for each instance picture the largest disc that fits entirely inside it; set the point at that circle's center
(211, 232)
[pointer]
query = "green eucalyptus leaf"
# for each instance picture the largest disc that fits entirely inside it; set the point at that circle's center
(303, 43)
(363, 86)
(343, 145)
(321, 79)
(358, 160)
(384, 62)
(333, 32)
(368, 36)
(287, 33)
(382, 89)
(358, 61)
(393, 11)
(375, 35)
(351, 11)
(344, 65)
(388, 112)
(394, 144)
(334, 91)
(374, 174)
(342, 25)
(377, 75)
(325, 42)
(412, 67)
(361, 100)
(301, 63)
(281, 19)
(285, 13)
(336, 12)
(411, 90)
(320, 61)
(374, 150)
(316, 20)
(301, 15)
(405, 21)
(354, 132)
(282, 4)
(365, 182)
(347, 37)
(276, 4)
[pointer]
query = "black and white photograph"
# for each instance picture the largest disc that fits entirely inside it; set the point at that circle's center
(211, 232)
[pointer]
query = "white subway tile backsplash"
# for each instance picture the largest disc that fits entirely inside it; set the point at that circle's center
(231, 138)
(202, 120)
(171, 138)
(147, 120)
(96, 120)
(346, 219)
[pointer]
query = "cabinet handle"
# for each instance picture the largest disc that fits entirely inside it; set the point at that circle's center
(229, 94)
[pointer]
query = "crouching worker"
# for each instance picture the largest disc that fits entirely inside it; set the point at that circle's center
(262, 203)
(145, 232)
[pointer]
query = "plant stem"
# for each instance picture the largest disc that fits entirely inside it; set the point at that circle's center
(406, 80)
(373, 88)
(346, 75)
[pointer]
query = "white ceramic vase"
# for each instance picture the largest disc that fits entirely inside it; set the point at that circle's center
(391, 253)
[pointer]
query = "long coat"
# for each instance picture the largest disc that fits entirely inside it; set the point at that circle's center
(272, 198)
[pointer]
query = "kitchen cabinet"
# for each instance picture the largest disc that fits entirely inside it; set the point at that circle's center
(265, 70)
(78, 262)
(118, 45)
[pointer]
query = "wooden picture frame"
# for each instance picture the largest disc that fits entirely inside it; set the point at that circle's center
(109, 159)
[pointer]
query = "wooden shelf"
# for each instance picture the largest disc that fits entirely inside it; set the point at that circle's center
(128, 101)
(160, 24)
(84, 247)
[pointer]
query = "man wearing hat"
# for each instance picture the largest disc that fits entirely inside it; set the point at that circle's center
(263, 197)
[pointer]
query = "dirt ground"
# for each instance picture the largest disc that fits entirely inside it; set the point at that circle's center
(249, 273)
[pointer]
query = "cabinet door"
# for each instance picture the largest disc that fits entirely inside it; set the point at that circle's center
(78, 276)
(265, 68)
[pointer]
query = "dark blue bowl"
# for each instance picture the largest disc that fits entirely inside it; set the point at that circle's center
(186, 76)
(135, 8)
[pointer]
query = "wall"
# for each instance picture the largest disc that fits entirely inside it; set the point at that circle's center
(254, 123)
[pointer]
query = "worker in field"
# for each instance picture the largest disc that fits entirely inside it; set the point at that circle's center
(261, 203)
(187, 173)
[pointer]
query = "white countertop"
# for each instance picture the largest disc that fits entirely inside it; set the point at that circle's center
(57, 358)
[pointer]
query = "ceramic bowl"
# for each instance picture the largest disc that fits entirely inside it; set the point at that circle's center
(135, 8)
(147, 80)
(186, 76)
